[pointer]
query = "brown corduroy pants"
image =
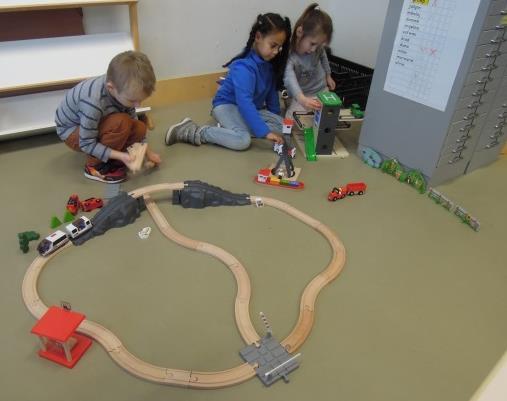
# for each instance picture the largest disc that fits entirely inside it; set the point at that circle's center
(117, 131)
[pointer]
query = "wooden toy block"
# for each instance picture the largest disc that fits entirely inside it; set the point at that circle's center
(137, 151)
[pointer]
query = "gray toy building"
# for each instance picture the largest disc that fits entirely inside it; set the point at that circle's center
(426, 47)
(325, 121)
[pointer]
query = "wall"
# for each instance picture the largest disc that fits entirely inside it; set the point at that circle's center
(194, 37)
(358, 27)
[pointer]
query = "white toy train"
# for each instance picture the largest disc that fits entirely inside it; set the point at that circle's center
(59, 238)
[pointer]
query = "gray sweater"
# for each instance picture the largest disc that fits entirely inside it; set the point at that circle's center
(84, 106)
(307, 73)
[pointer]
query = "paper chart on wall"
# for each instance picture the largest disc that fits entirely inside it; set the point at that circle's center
(428, 49)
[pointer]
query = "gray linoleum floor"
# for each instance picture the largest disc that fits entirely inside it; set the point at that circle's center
(418, 313)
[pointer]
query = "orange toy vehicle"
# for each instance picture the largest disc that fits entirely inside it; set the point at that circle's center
(350, 189)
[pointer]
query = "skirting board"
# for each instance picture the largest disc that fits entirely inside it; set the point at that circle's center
(182, 89)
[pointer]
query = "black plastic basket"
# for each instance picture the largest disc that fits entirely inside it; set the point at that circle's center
(352, 81)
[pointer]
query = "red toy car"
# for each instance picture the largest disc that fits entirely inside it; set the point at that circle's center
(73, 204)
(350, 189)
(91, 204)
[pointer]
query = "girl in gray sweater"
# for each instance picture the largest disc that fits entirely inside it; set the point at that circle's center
(308, 71)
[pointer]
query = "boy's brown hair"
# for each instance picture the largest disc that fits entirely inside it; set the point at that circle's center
(131, 69)
(313, 21)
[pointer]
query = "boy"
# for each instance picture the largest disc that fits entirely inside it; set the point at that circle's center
(98, 116)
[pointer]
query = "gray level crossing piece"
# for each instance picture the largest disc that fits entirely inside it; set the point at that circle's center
(274, 362)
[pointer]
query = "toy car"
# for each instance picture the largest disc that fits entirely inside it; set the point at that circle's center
(73, 204)
(350, 189)
(91, 204)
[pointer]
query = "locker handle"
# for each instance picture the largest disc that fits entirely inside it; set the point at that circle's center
(459, 149)
(492, 145)
(503, 12)
(492, 54)
(500, 27)
(463, 138)
(479, 92)
(495, 41)
(455, 159)
(489, 67)
(477, 103)
(466, 127)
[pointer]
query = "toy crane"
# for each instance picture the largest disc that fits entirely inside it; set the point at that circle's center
(285, 151)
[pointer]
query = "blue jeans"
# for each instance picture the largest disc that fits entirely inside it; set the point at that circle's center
(234, 133)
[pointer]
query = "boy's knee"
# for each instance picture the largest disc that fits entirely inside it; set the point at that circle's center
(117, 123)
(138, 130)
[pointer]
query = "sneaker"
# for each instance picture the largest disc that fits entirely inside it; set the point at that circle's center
(185, 131)
(105, 172)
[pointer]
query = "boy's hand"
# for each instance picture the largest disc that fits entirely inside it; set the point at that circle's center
(309, 103)
(121, 156)
(153, 157)
(277, 138)
(331, 84)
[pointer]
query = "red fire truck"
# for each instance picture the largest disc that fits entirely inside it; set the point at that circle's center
(353, 188)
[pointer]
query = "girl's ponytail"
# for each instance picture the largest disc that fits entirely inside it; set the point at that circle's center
(313, 21)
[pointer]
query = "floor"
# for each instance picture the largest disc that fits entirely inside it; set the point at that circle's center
(417, 314)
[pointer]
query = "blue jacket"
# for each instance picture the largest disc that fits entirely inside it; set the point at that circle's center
(250, 84)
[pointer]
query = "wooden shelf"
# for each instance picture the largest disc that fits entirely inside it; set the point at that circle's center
(34, 71)
(20, 5)
(34, 113)
(54, 61)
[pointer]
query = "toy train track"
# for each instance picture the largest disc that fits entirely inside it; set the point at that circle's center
(191, 378)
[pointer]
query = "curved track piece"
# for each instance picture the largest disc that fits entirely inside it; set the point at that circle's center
(194, 379)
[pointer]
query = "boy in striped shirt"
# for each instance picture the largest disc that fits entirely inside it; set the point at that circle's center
(98, 116)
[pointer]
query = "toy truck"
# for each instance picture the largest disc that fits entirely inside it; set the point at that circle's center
(353, 188)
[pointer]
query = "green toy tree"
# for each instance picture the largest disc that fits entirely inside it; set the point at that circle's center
(55, 222)
(68, 217)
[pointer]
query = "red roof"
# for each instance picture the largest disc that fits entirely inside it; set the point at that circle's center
(58, 324)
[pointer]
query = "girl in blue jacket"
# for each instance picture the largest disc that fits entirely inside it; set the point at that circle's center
(247, 102)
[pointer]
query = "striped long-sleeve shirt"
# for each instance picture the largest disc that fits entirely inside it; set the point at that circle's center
(84, 106)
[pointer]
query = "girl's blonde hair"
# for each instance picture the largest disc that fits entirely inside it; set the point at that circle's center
(313, 22)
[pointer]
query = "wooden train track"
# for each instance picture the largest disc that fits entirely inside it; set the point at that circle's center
(190, 378)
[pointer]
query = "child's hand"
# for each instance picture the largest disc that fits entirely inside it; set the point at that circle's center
(153, 157)
(121, 156)
(309, 103)
(331, 84)
(277, 138)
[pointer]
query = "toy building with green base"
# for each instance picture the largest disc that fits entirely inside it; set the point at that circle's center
(325, 121)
